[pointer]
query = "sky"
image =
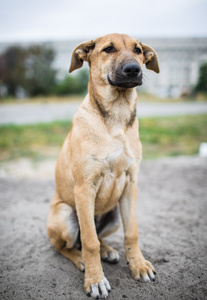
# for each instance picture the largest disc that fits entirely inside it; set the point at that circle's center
(46, 20)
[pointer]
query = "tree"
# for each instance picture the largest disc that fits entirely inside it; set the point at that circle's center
(40, 77)
(72, 84)
(12, 68)
(201, 85)
(29, 68)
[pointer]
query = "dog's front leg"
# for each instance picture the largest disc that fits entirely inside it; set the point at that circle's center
(139, 267)
(95, 284)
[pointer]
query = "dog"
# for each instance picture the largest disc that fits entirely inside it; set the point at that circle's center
(97, 169)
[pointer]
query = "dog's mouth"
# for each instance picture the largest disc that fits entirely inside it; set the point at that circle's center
(125, 83)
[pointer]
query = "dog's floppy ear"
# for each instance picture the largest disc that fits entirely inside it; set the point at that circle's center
(80, 54)
(150, 58)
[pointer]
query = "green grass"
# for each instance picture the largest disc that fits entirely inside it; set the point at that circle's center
(34, 141)
(168, 136)
(172, 136)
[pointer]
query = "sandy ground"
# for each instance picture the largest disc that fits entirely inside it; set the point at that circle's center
(172, 219)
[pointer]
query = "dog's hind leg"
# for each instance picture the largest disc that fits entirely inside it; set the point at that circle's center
(63, 230)
(74, 255)
(108, 253)
(105, 226)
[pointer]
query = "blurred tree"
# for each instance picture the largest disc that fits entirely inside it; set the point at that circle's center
(40, 77)
(201, 85)
(12, 68)
(29, 68)
(73, 84)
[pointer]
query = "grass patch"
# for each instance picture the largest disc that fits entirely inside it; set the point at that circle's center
(168, 136)
(172, 136)
(37, 141)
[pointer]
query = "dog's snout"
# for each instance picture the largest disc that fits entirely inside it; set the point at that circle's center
(127, 75)
(131, 70)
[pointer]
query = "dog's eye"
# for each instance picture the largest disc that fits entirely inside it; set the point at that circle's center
(109, 49)
(137, 50)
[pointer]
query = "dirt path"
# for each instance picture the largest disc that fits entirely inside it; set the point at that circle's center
(171, 213)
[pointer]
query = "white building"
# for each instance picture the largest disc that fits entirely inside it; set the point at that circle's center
(179, 60)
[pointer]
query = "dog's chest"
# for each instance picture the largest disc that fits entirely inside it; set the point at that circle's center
(116, 168)
(119, 160)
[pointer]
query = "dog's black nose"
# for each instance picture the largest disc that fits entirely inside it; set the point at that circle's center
(131, 70)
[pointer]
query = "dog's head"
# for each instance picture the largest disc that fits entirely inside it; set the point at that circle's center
(115, 59)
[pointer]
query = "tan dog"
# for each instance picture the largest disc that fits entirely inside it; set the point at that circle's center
(98, 165)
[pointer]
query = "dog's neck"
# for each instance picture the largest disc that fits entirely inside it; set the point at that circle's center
(117, 107)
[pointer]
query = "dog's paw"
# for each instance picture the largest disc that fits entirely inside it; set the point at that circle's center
(99, 290)
(111, 257)
(109, 254)
(145, 271)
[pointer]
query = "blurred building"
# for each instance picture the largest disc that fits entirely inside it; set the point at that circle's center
(179, 60)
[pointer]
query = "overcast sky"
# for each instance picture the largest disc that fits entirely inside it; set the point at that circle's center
(39, 20)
